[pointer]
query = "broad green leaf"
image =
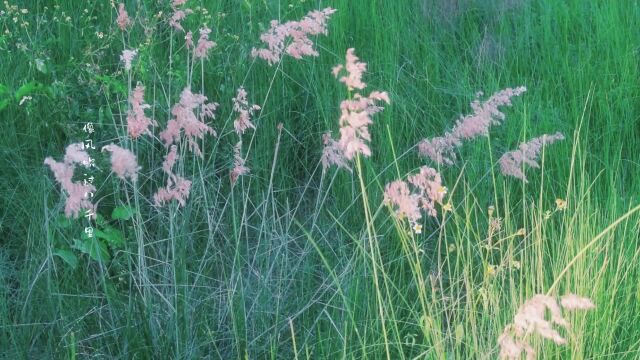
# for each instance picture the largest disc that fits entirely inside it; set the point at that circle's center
(112, 235)
(94, 247)
(3, 89)
(123, 212)
(29, 88)
(98, 251)
(67, 256)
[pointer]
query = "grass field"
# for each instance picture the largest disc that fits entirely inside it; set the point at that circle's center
(295, 261)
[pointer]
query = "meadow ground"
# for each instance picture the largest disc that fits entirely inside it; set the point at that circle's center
(294, 260)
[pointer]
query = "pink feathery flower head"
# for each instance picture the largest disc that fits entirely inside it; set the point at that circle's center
(177, 188)
(356, 113)
(511, 163)
(441, 149)
(422, 191)
(244, 110)
(178, 14)
(123, 162)
(204, 44)
(127, 57)
(354, 69)
(77, 193)
(354, 121)
(123, 17)
(405, 204)
(332, 153)
(574, 302)
(532, 318)
(76, 154)
(239, 168)
(185, 119)
(314, 23)
(137, 122)
(428, 186)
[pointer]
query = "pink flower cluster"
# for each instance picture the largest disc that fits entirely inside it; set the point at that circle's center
(77, 192)
(127, 57)
(422, 192)
(355, 116)
(123, 162)
(137, 122)
(314, 23)
(204, 44)
(532, 318)
(244, 110)
(511, 163)
(239, 168)
(177, 188)
(178, 14)
(332, 154)
(485, 114)
(185, 119)
(123, 17)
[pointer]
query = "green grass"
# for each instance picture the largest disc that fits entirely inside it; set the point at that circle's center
(294, 262)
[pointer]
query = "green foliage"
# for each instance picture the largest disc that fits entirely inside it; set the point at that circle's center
(122, 212)
(288, 253)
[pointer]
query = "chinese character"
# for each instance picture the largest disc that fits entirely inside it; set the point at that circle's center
(89, 231)
(88, 144)
(88, 128)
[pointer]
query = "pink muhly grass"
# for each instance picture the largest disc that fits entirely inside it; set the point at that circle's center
(244, 110)
(511, 163)
(76, 154)
(532, 318)
(185, 119)
(137, 122)
(315, 23)
(123, 162)
(204, 44)
(177, 188)
(77, 193)
(127, 57)
(422, 191)
(356, 113)
(332, 153)
(123, 17)
(178, 14)
(239, 168)
(354, 69)
(485, 114)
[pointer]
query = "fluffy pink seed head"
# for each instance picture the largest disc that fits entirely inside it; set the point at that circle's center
(295, 34)
(127, 57)
(123, 18)
(239, 168)
(574, 302)
(137, 122)
(76, 154)
(204, 44)
(123, 162)
(512, 162)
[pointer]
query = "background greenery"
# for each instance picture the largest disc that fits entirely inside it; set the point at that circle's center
(281, 266)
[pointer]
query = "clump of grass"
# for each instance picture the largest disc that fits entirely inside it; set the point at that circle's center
(294, 259)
